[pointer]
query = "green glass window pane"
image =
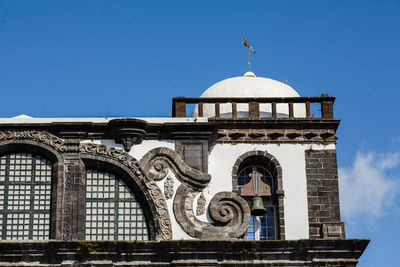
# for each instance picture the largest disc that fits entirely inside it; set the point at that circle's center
(112, 212)
(25, 197)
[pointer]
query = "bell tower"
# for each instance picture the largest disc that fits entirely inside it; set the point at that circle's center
(278, 154)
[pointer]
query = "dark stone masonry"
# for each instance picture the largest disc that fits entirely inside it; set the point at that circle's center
(323, 194)
(327, 253)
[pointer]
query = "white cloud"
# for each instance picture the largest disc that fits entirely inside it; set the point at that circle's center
(367, 189)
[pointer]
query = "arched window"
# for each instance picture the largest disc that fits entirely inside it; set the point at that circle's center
(25, 196)
(258, 174)
(112, 212)
(261, 227)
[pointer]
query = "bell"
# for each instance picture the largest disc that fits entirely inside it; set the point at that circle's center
(257, 209)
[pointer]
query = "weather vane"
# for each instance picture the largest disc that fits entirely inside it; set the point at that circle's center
(249, 48)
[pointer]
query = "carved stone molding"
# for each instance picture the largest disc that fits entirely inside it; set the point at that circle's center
(276, 136)
(110, 152)
(169, 188)
(156, 163)
(130, 162)
(71, 145)
(39, 136)
(230, 212)
(161, 206)
(128, 131)
(201, 205)
(67, 233)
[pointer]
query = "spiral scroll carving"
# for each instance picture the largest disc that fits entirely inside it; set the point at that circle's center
(229, 211)
(228, 208)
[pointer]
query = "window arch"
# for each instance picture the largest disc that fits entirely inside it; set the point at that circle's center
(25, 196)
(271, 225)
(111, 210)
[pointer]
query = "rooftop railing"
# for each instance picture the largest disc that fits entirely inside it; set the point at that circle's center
(325, 104)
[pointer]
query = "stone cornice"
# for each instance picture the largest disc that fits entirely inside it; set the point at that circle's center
(186, 252)
(170, 130)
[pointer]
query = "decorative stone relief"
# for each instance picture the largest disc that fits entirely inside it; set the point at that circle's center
(128, 131)
(163, 218)
(67, 202)
(111, 152)
(155, 192)
(230, 212)
(169, 188)
(276, 136)
(201, 205)
(161, 207)
(39, 136)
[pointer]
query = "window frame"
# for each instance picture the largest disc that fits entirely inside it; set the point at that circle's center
(13, 146)
(115, 200)
(271, 163)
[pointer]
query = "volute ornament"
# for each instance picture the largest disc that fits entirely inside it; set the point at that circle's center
(228, 210)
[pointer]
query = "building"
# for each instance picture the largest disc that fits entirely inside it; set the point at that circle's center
(179, 190)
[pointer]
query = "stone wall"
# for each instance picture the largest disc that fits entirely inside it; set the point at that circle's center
(323, 194)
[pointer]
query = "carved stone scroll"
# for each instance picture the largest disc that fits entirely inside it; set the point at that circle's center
(111, 152)
(157, 161)
(39, 136)
(230, 212)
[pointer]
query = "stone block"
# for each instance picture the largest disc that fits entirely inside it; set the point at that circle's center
(333, 230)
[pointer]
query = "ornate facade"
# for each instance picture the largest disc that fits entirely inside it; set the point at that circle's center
(180, 190)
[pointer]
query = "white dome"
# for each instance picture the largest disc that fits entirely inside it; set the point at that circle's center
(249, 85)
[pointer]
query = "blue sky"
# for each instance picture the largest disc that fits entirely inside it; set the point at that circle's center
(129, 58)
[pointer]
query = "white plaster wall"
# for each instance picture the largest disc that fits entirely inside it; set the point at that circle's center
(292, 160)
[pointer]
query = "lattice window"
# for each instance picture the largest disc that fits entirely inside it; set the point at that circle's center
(25, 196)
(112, 212)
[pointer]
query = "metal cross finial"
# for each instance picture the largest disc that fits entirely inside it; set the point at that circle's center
(246, 44)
